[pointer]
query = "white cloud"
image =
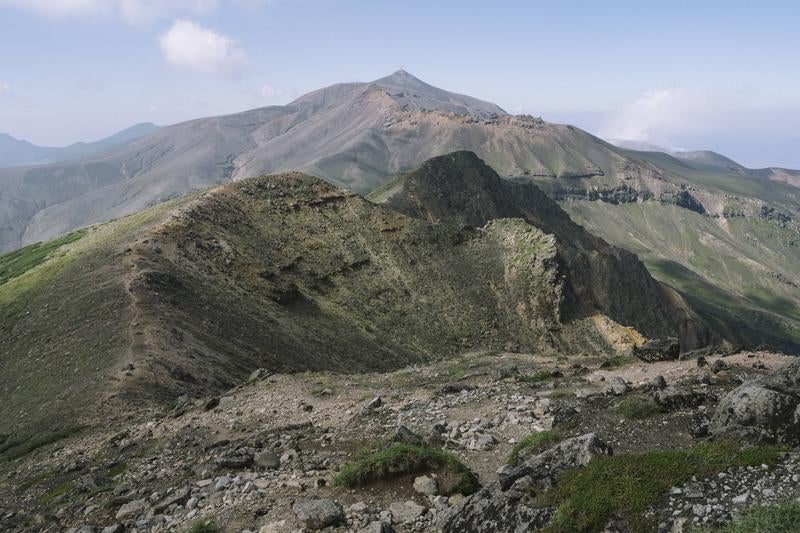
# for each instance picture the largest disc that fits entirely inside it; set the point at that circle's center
(660, 115)
(268, 92)
(193, 47)
(5, 88)
(133, 11)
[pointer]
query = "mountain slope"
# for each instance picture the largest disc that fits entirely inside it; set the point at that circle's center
(290, 273)
(14, 152)
(356, 135)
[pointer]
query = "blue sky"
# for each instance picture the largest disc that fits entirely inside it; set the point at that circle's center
(719, 75)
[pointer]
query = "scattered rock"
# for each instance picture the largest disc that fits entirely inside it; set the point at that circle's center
(266, 459)
(318, 513)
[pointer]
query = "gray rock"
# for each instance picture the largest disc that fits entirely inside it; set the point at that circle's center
(374, 404)
(116, 528)
(675, 397)
(658, 383)
(765, 409)
(257, 375)
(408, 511)
(566, 455)
(377, 527)
(222, 483)
(426, 485)
(659, 350)
(406, 436)
(618, 386)
(178, 497)
(266, 459)
(131, 509)
(505, 505)
(318, 513)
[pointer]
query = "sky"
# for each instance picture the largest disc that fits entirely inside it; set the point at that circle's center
(679, 74)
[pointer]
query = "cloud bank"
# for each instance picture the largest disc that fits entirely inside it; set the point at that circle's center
(192, 47)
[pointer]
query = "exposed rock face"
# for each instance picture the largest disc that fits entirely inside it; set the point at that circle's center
(318, 513)
(505, 505)
(765, 409)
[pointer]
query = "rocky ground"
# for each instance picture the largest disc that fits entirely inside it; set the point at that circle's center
(263, 457)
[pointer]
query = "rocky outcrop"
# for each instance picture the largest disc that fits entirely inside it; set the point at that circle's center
(765, 409)
(507, 506)
(658, 350)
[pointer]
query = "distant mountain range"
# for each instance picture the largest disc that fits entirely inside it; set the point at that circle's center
(15, 152)
(707, 159)
(726, 237)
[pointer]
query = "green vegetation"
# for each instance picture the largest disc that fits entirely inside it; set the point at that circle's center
(635, 407)
(59, 490)
(203, 526)
(536, 377)
(401, 458)
(618, 361)
(20, 261)
(627, 485)
(14, 449)
(117, 469)
(533, 443)
(782, 518)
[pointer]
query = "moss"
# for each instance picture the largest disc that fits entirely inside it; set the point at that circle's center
(627, 485)
(782, 518)
(533, 443)
(20, 261)
(399, 459)
(638, 407)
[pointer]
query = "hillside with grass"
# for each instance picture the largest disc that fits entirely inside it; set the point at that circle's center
(291, 274)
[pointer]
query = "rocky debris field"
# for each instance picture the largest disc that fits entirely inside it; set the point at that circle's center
(403, 451)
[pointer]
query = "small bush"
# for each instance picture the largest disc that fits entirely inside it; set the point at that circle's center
(627, 485)
(533, 443)
(617, 361)
(401, 458)
(638, 407)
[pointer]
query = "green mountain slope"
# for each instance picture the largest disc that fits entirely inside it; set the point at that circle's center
(290, 273)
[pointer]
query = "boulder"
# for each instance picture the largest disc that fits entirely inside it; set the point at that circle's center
(566, 455)
(506, 506)
(426, 485)
(675, 397)
(658, 350)
(131, 509)
(765, 409)
(318, 513)
(179, 497)
(405, 512)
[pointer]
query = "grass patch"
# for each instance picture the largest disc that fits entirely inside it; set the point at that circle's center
(401, 458)
(57, 491)
(23, 447)
(203, 526)
(117, 469)
(536, 377)
(617, 361)
(783, 518)
(20, 261)
(638, 407)
(628, 485)
(533, 443)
